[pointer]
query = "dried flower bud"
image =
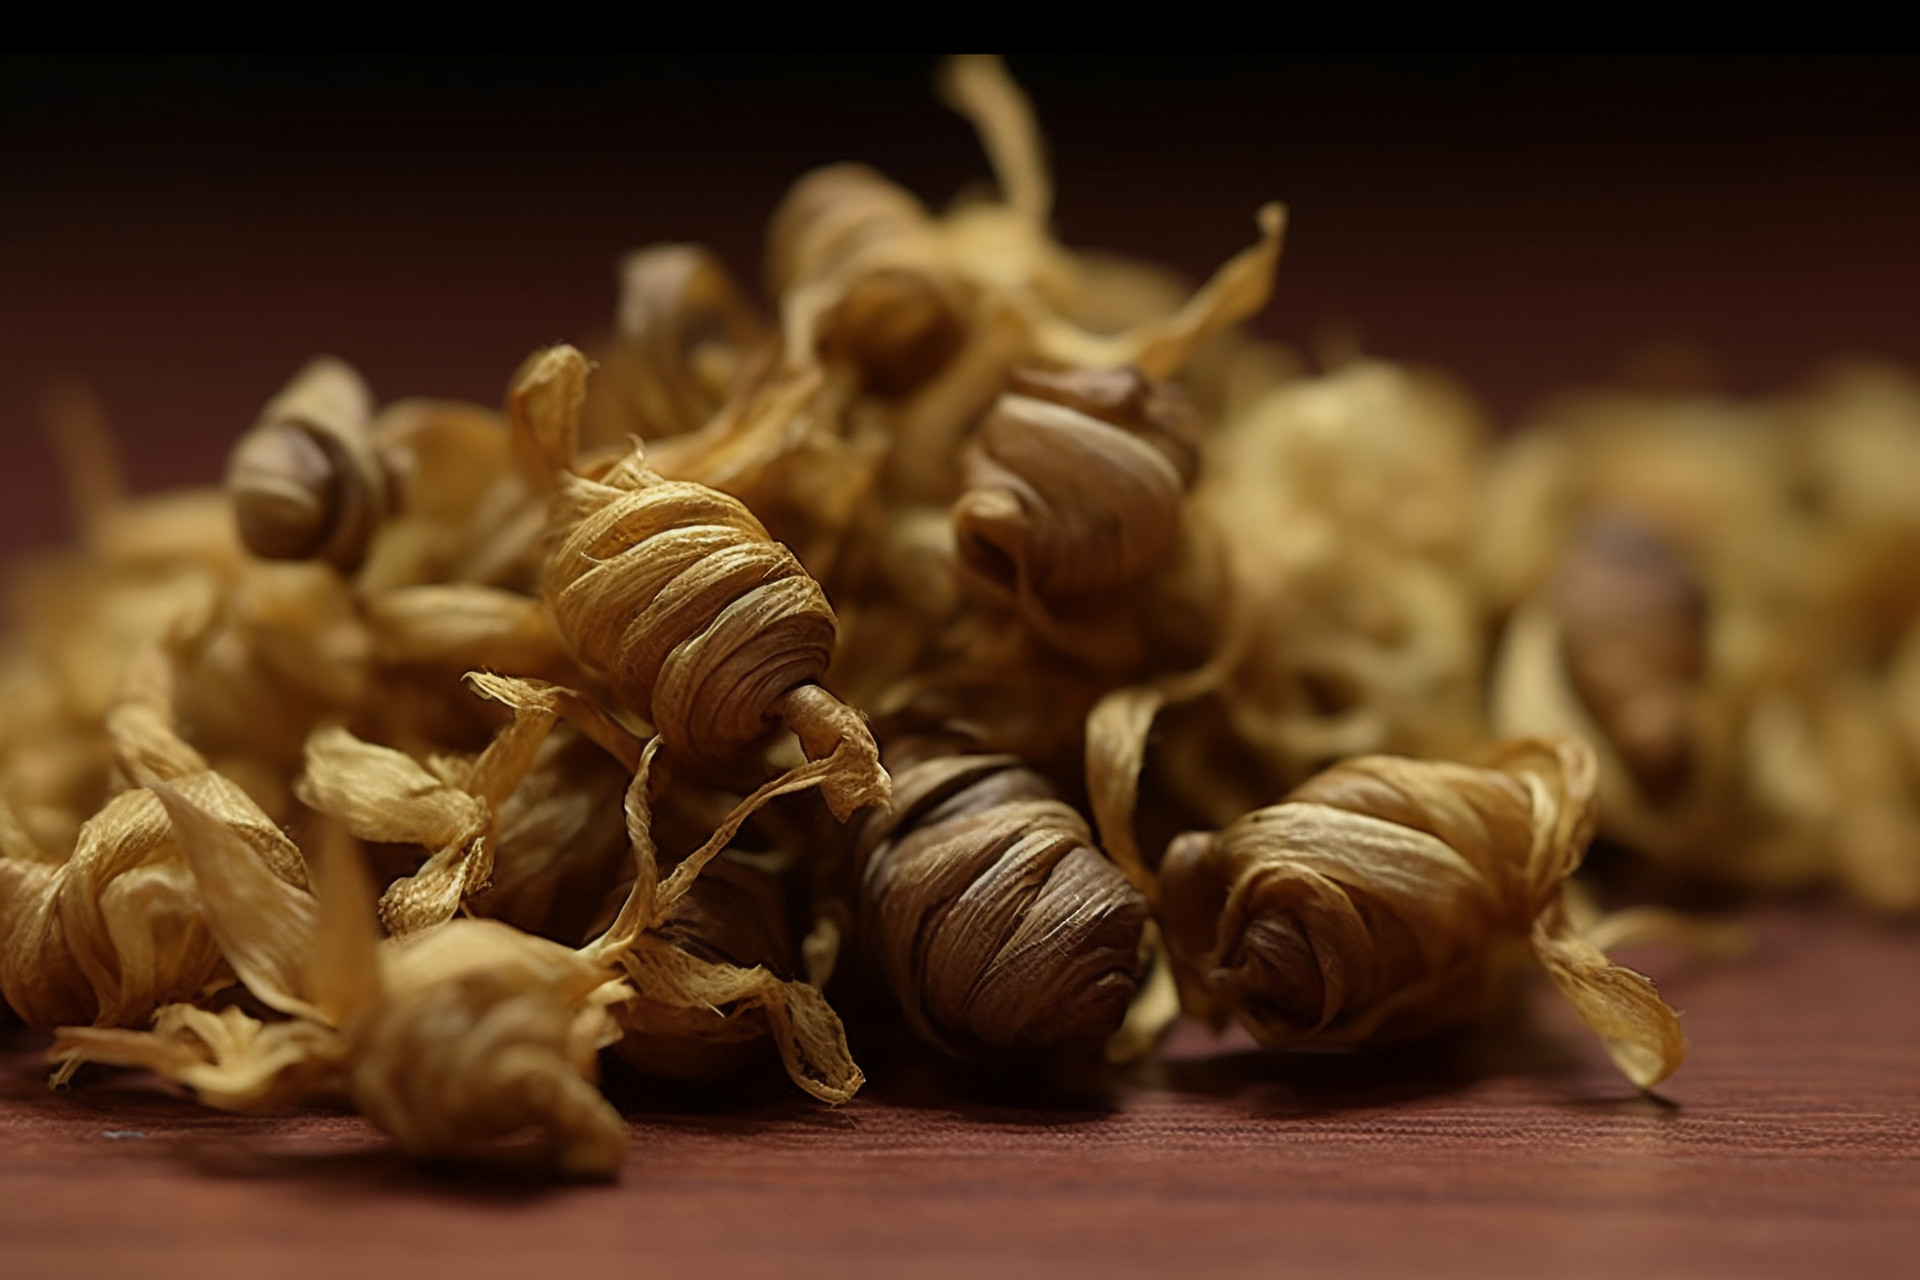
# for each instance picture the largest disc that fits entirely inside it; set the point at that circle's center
(1075, 483)
(1632, 623)
(464, 1035)
(675, 593)
(115, 929)
(305, 481)
(860, 260)
(1372, 902)
(995, 921)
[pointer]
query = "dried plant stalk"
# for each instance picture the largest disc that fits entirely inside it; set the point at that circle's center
(1373, 903)
(998, 925)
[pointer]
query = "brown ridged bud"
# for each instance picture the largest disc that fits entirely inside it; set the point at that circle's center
(1075, 483)
(702, 622)
(998, 925)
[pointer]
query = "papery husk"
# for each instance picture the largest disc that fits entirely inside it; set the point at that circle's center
(1375, 902)
(994, 919)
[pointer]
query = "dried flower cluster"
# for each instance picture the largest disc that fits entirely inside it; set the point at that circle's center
(443, 748)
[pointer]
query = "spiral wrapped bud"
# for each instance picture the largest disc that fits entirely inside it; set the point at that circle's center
(1075, 483)
(996, 922)
(305, 481)
(1371, 903)
(676, 595)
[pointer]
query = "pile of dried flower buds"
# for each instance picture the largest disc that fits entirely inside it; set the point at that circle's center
(999, 621)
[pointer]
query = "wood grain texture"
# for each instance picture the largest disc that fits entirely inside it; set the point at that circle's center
(1788, 1145)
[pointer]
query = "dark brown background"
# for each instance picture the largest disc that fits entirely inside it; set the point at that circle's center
(182, 234)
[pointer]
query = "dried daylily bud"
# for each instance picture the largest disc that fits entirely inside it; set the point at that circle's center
(114, 930)
(994, 919)
(864, 274)
(675, 593)
(1633, 621)
(110, 934)
(1374, 901)
(559, 840)
(306, 481)
(1345, 503)
(1075, 483)
(468, 1034)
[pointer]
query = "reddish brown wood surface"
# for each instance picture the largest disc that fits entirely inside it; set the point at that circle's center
(1788, 1145)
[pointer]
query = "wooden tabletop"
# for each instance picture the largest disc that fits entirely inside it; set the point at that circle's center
(1789, 1144)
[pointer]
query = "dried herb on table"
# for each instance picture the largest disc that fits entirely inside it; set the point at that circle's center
(997, 924)
(1373, 903)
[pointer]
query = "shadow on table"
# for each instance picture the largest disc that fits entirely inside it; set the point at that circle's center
(1315, 1080)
